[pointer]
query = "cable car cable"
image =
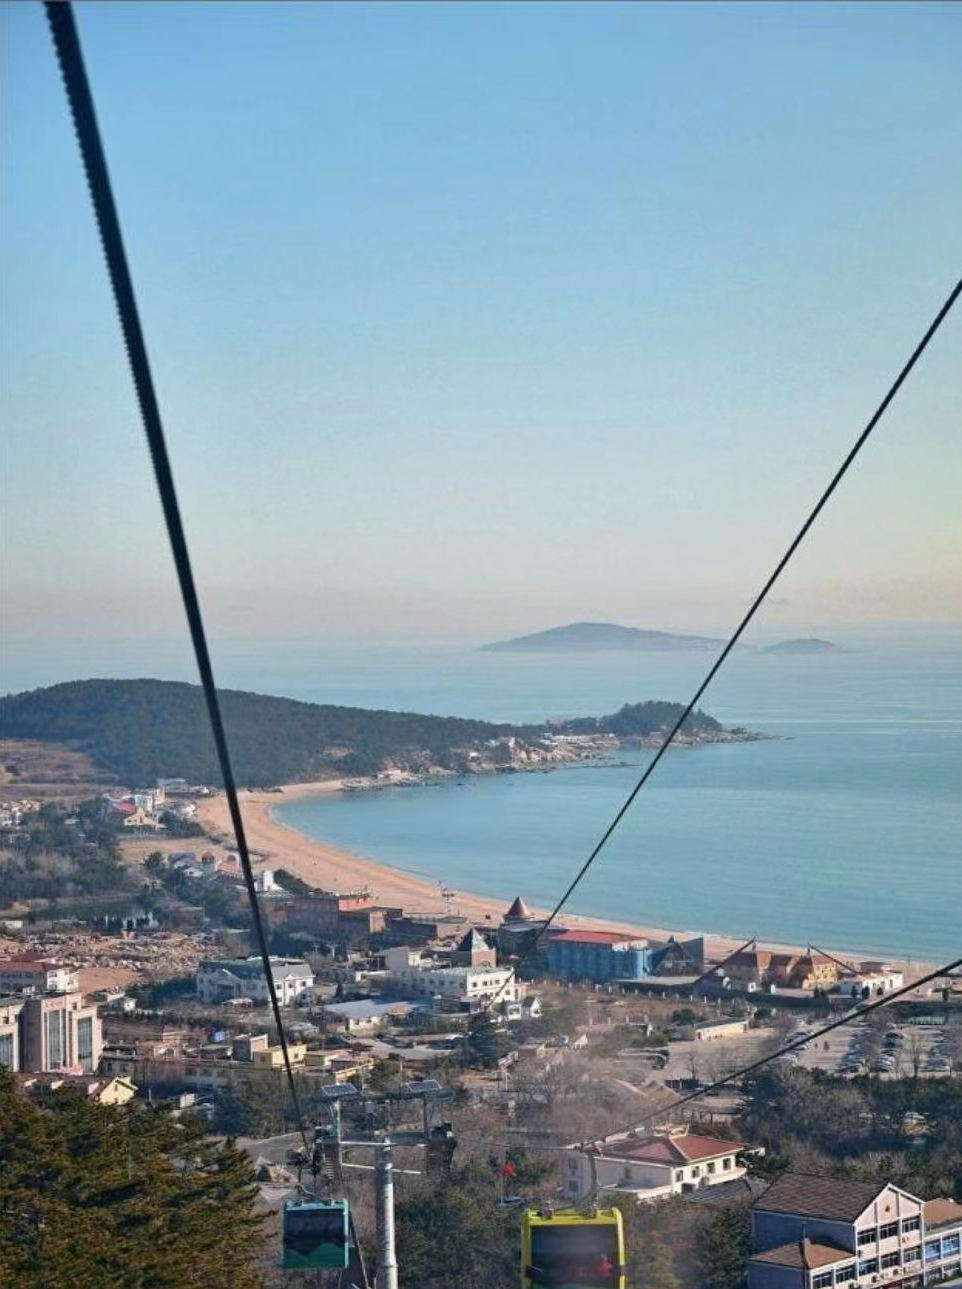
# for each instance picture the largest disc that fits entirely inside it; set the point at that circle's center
(66, 41)
(791, 1046)
(744, 623)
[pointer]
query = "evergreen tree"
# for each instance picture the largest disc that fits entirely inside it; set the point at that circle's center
(724, 1247)
(120, 1198)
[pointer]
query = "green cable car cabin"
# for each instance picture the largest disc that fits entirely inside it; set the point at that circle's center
(569, 1250)
(314, 1235)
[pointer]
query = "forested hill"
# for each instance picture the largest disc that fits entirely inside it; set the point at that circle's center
(144, 729)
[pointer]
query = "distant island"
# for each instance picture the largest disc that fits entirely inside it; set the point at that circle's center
(140, 730)
(807, 645)
(585, 637)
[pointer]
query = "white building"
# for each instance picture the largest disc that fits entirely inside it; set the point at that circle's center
(877, 983)
(650, 1168)
(26, 974)
(218, 981)
(417, 973)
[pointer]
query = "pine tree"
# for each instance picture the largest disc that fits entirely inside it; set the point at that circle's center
(121, 1198)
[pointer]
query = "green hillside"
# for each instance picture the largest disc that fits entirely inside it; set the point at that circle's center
(145, 729)
(142, 729)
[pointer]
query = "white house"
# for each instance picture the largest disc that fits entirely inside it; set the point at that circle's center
(218, 981)
(417, 973)
(650, 1167)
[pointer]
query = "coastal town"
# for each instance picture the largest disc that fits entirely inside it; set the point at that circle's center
(157, 992)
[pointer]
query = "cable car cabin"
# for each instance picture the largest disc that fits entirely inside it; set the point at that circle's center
(566, 1250)
(315, 1235)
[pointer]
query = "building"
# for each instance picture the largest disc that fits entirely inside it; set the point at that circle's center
(871, 985)
(709, 1030)
(671, 1162)
(414, 972)
(756, 967)
(600, 956)
(218, 980)
(57, 1032)
(473, 951)
(27, 974)
(823, 1233)
(673, 957)
(365, 1016)
(10, 1053)
(105, 1091)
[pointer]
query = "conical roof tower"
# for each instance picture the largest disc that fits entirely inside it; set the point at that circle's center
(518, 912)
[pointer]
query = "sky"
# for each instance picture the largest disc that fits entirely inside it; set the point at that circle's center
(467, 320)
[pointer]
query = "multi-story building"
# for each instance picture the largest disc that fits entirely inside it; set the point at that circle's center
(670, 1162)
(59, 1033)
(23, 974)
(822, 1233)
(10, 1012)
(218, 980)
(414, 972)
(598, 955)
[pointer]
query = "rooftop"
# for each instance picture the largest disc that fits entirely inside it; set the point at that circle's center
(806, 1253)
(805, 1195)
(685, 1147)
(942, 1212)
(518, 912)
(595, 937)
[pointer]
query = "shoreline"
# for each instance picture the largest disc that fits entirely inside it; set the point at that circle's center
(274, 844)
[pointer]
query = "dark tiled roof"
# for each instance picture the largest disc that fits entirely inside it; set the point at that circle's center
(808, 1196)
(734, 1192)
(817, 1253)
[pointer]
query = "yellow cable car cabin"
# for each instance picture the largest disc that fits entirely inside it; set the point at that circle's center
(568, 1250)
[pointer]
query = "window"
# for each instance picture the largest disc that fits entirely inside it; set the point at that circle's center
(950, 1244)
(726, 1164)
(679, 1176)
(822, 1281)
(889, 1260)
(868, 1266)
(888, 1230)
(933, 1250)
(911, 1224)
(54, 1024)
(845, 1273)
(572, 1164)
(6, 1050)
(85, 1043)
(712, 1166)
(911, 1255)
(868, 1236)
(696, 1171)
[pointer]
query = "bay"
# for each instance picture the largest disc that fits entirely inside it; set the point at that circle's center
(844, 830)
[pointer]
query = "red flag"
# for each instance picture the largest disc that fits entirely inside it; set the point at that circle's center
(508, 1170)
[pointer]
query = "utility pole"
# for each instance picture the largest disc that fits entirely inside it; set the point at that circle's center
(386, 1275)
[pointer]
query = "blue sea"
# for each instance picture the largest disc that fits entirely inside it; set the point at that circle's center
(844, 830)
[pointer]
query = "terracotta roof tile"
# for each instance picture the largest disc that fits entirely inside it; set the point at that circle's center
(940, 1212)
(818, 1253)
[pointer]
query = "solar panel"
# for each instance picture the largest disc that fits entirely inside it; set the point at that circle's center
(339, 1091)
(417, 1086)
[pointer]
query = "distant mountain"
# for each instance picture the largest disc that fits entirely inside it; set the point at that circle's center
(584, 637)
(808, 645)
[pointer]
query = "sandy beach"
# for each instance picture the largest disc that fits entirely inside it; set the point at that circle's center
(275, 845)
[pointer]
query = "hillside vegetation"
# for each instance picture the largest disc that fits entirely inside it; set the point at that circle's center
(140, 730)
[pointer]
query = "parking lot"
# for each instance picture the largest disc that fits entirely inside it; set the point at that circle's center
(888, 1050)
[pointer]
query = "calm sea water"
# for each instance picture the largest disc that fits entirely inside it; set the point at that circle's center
(845, 831)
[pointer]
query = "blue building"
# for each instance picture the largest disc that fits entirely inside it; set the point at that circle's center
(598, 955)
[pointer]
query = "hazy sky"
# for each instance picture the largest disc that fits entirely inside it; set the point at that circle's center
(467, 320)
